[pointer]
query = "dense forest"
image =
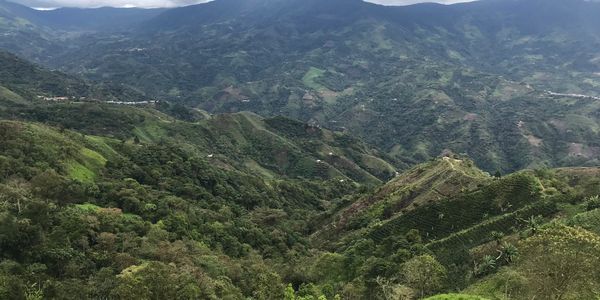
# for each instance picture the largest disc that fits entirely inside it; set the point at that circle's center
(152, 207)
(180, 154)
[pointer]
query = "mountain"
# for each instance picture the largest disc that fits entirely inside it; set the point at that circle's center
(248, 185)
(22, 82)
(466, 219)
(423, 184)
(79, 19)
(300, 150)
(414, 81)
(39, 35)
(81, 181)
(20, 35)
(246, 140)
(236, 206)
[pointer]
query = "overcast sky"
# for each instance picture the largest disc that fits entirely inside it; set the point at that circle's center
(171, 3)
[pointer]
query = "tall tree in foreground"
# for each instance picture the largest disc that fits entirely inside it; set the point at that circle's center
(424, 274)
(562, 261)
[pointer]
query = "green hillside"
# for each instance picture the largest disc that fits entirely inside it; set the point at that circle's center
(268, 148)
(421, 185)
(22, 81)
(205, 207)
(165, 201)
(479, 238)
(301, 150)
(414, 81)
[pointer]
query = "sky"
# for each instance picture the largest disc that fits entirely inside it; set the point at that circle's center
(171, 3)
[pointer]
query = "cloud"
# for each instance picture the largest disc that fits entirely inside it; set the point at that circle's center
(407, 2)
(173, 3)
(113, 3)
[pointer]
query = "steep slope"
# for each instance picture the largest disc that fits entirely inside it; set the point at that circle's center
(473, 232)
(131, 191)
(423, 184)
(42, 35)
(438, 180)
(135, 214)
(20, 34)
(288, 147)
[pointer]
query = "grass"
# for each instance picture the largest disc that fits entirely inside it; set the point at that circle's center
(100, 145)
(88, 207)
(62, 150)
(310, 77)
(455, 297)
(6, 94)
(149, 133)
(77, 171)
(376, 163)
(255, 167)
(85, 168)
(93, 159)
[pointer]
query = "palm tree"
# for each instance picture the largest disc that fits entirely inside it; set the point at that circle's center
(497, 236)
(509, 252)
(533, 223)
(487, 264)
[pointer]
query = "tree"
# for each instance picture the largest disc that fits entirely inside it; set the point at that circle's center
(498, 175)
(592, 202)
(289, 293)
(424, 274)
(48, 185)
(487, 265)
(14, 194)
(509, 252)
(392, 291)
(329, 267)
(561, 261)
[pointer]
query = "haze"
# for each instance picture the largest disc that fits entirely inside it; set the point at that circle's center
(171, 3)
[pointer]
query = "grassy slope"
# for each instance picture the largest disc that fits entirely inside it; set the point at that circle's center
(9, 97)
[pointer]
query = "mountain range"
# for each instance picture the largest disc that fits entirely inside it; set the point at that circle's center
(414, 81)
(288, 149)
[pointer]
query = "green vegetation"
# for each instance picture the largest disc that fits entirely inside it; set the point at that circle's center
(417, 82)
(455, 297)
(376, 193)
(236, 206)
(310, 78)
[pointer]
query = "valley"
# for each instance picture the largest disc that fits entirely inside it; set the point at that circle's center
(301, 150)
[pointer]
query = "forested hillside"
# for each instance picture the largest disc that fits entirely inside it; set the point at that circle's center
(301, 150)
(23, 83)
(511, 84)
(166, 202)
(144, 214)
